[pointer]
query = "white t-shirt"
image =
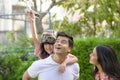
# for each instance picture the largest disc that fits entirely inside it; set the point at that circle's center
(47, 69)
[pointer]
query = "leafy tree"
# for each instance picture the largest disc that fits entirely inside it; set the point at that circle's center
(43, 14)
(100, 16)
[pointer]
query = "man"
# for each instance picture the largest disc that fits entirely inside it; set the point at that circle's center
(47, 69)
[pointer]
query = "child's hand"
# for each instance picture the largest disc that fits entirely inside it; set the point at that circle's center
(62, 67)
(31, 15)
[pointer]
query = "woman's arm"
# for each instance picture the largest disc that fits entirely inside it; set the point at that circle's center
(70, 60)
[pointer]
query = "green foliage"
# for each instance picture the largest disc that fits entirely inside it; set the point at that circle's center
(13, 66)
(103, 17)
(72, 29)
(16, 58)
(22, 39)
(83, 48)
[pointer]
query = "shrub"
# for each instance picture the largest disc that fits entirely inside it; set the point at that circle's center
(82, 49)
(15, 59)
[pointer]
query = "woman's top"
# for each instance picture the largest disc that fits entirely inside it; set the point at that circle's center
(105, 77)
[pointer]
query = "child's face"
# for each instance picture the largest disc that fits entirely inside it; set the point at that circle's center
(48, 48)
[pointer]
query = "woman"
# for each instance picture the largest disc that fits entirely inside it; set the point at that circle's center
(45, 48)
(107, 66)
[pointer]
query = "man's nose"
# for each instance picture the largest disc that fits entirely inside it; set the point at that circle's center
(58, 43)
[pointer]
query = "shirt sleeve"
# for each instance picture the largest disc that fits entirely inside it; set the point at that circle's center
(76, 71)
(33, 70)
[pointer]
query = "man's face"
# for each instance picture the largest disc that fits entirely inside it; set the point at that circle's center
(61, 46)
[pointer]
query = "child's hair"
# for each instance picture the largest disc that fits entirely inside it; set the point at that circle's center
(48, 38)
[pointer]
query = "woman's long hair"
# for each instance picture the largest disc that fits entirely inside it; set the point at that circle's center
(108, 61)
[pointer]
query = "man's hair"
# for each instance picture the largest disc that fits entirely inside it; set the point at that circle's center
(63, 34)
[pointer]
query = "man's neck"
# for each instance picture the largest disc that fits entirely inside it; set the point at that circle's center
(58, 58)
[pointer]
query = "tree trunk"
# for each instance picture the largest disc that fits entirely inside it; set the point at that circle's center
(39, 25)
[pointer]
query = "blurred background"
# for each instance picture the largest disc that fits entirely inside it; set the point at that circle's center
(90, 22)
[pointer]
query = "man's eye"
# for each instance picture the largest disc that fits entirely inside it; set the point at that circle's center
(63, 42)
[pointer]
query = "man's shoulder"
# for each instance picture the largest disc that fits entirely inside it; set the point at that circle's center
(74, 65)
(47, 60)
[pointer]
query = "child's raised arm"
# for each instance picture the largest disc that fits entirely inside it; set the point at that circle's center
(31, 16)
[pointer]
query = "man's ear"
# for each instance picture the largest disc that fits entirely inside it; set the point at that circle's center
(69, 50)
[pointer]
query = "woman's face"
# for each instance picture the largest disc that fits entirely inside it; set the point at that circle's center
(93, 57)
(48, 48)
